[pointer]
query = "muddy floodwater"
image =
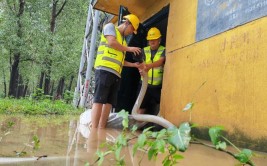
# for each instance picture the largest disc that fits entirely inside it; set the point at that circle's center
(64, 141)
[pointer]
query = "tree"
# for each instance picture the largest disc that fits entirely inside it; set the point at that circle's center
(17, 9)
(40, 43)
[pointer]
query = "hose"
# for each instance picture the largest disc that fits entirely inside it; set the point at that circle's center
(147, 118)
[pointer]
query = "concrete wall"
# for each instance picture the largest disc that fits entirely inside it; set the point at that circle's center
(234, 66)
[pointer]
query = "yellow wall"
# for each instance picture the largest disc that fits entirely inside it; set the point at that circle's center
(233, 64)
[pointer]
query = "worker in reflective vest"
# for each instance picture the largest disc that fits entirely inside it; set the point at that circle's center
(154, 58)
(108, 66)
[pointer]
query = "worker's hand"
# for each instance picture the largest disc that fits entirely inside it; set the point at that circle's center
(141, 66)
(142, 69)
(135, 50)
(137, 65)
(147, 67)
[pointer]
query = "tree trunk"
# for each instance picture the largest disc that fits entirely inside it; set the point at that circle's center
(14, 73)
(14, 76)
(25, 90)
(40, 86)
(52, 89)
(20, 87)
(54, 14)
(60, 88)
(47, 78)
(70, 84)
(4, 82)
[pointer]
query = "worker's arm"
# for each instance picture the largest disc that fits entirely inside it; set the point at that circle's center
(158, 63)
(130, 64)
(112, 42)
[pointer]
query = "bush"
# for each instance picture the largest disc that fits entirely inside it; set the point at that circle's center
(41, 107)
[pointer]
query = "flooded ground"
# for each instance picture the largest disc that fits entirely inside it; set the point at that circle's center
(63, 141)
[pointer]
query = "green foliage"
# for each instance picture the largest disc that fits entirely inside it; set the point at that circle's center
(68, 96)
(154, 143)
(38, 94)
(36, 39)
(34, 145)
(180, 138)
(36, 142)
(215, 133)
(168, 141)
(244, 156)
(32, 107)
(125, 120)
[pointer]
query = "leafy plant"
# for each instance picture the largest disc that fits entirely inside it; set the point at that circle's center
(38, 94)
(34, 145)
(244, 156)
(68, 96)
(169, 141)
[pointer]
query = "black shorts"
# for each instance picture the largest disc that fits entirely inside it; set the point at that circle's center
(106, 87)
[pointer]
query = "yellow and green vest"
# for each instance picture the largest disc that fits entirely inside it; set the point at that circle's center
(154, 74)
(109, 57)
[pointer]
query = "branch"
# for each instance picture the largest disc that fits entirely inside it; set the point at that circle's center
(21, 7)
(60, 10)
(225, 151)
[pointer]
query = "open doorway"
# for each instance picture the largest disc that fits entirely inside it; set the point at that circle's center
(130, 76)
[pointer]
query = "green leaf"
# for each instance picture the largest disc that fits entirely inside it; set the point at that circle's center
(147, 129)
(151, 152)
(180, 138)
(134, 128)
(178, 156)
(141, 140)
(121, 140)
(154, 134)
(36, 142)
(188, 106)
(125, 123)
(166, 162)
(135, 148)
(162, 133)
(221, 145)
(118, 152)
(215, 133)
(101, 157)
(160, 145)
(124, 116)
(244, 156)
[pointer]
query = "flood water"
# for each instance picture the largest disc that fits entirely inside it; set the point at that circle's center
(64, 141)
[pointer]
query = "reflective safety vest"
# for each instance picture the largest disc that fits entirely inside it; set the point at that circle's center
(109, 57)
(154, 74)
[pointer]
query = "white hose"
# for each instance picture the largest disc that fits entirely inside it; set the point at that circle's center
(141, 95)
(143, 117)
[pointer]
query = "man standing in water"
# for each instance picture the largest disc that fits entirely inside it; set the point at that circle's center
(108, 65)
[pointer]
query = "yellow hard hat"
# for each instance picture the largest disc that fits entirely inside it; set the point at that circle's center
(134, 20)
(153, 33)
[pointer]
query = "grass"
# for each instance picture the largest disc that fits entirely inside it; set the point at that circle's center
(37, 107)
